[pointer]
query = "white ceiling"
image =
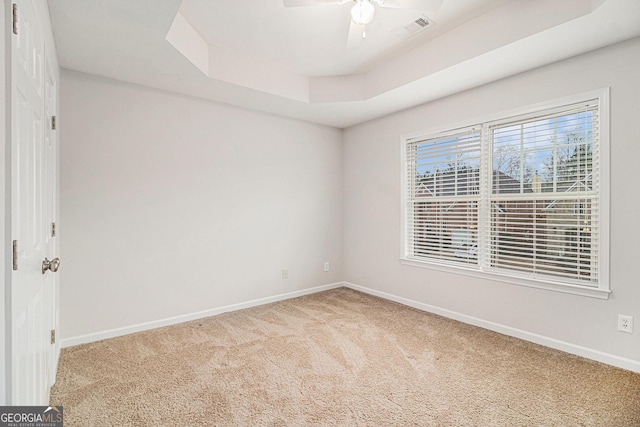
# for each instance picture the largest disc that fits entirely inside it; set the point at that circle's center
(312, 40)
(294, 61)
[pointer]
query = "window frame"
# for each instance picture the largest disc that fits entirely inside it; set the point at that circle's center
(602, 290)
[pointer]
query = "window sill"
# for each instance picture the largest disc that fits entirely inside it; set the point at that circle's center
(539, 284)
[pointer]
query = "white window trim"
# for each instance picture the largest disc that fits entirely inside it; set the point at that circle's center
(603, 290)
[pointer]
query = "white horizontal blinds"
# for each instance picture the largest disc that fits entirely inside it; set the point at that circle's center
(445, 231)
(443, 184)
(544, 195)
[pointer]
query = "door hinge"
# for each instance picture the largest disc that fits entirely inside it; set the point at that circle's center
(15, 254)
(53, 122)
(53, 229)
(53, 336)
(15, 18)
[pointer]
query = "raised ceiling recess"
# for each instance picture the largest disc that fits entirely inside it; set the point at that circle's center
(281, 57)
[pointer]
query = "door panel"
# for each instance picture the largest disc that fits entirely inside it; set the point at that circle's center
(32, 168)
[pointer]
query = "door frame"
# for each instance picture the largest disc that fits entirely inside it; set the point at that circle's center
(5, 205)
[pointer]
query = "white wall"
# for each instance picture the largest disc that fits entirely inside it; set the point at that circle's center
(171, 205)
(372, 209)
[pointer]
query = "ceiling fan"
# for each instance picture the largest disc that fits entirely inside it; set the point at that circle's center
(363, 12)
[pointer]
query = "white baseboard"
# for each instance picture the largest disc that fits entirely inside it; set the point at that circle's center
(609, 359)
(112, 333)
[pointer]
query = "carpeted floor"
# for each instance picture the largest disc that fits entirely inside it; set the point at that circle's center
(336, 358)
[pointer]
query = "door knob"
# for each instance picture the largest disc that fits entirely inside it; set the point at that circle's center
(52, 265)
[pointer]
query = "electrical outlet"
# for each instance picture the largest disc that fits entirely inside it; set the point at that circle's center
(625, 323)
(285, 274)
(326, 266)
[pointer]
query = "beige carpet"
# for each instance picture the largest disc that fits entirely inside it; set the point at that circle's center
(336, 358)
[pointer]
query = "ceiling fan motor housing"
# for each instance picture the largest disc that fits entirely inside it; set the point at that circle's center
(362, 12)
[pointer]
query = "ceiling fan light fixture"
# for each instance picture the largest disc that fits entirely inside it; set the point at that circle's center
(362, 12)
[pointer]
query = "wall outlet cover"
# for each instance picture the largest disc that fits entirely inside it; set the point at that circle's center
(625, 323)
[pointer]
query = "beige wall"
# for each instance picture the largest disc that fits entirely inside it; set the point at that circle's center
(372, 210)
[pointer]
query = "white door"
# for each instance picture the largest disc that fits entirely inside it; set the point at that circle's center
(32, 303)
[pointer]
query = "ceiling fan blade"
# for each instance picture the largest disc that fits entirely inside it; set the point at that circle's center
(430, 5)
(356, 31)
(298, 3)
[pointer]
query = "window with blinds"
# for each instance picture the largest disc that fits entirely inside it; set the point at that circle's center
(544, 198)
(517, 197)
(444, 188)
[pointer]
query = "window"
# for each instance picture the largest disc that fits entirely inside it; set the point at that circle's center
(518, 198)
(445, 185)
